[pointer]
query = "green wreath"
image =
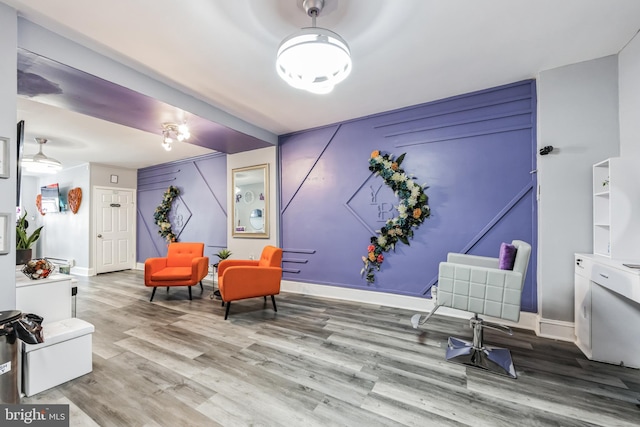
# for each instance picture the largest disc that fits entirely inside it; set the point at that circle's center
(161, 214)
(413, 209)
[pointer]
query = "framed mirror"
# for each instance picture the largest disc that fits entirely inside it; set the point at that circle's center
(250, 214)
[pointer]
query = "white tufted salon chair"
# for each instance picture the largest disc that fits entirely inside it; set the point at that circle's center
(476, 284)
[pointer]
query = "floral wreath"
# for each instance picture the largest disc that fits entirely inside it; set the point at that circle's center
(412, 211)
(161, 214)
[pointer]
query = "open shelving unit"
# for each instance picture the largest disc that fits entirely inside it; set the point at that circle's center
(616, 196)
(601, 209)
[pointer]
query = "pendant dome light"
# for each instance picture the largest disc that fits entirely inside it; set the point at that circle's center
(39, 163)
(314, 59)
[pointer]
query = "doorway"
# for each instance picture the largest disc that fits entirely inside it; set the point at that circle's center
(115, 229)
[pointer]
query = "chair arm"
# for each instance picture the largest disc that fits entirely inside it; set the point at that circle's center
(225, 263)
(248, 282)
(480, 290)
(151, 266)
(199, 268)
(474, 260)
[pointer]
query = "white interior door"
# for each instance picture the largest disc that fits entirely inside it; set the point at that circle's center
(115, 229)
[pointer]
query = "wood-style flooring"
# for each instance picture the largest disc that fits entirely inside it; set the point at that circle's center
(316, 362)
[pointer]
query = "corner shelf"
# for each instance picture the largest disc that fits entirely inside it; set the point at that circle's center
(615, 228)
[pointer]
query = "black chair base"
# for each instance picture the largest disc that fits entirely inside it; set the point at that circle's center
(190, 299)
(494, 359)
(226, 311)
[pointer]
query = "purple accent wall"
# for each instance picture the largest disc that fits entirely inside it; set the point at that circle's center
(475, 152)
(198, 214)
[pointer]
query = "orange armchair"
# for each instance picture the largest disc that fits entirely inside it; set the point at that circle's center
(184, 265)
(240, 279)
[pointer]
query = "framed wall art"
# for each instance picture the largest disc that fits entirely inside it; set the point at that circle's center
(4, 157)
(4, 233)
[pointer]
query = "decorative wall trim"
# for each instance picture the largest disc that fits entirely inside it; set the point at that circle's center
(481, 138)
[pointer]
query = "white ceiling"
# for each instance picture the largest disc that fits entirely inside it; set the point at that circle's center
(405, 52)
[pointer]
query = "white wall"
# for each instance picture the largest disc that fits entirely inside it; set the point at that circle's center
(8, 120)
(578, 115)
(29, 188)
(242, 247)
(65, 234)
(101, 176)
(629, 84)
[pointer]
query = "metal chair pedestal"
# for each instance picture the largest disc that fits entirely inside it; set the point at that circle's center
(475, 353)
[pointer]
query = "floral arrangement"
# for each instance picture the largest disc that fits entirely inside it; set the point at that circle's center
(413, 209)
(161, 214)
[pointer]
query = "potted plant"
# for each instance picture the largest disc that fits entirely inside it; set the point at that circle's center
(222, 254)
(24, 241)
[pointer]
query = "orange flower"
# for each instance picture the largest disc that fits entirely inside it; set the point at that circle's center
(417, 212)
(372, 256)
(394, 166)
(375, 153)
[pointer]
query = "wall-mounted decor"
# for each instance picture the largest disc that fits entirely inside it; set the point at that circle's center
(114, 179)
(74, 198)
(412, 209)
(4, 233)
(4, 157)
(39, 204)
(246, 183)
(161, 215)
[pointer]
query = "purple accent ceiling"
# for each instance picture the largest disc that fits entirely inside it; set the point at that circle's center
(198, 214)
(56, 84)
(474, 152)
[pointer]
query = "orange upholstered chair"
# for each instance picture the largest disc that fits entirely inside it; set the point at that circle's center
(184, 265)
(240, 279)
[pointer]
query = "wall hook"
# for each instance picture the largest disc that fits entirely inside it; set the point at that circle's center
(546, 150)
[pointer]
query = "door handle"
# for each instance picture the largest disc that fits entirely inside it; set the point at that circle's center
(100, 236)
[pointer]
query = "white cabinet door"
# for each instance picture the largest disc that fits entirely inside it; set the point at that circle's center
(582, 313)
(616, 337)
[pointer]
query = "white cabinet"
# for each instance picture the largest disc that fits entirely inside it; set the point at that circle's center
(50, 298)
(607, 310)
(616, 208)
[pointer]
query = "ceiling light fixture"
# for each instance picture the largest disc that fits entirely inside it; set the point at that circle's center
(39, 163)
(173, 132)
(314, 59)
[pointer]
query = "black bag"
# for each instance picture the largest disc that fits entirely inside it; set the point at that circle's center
(29, 328)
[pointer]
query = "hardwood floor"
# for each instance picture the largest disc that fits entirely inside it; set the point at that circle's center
(317, 362)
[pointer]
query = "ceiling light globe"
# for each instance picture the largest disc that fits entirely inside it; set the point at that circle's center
(314, 59)
(166, 146)
(183, 129)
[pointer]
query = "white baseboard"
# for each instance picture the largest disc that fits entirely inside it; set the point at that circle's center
(82, 271)
(421, 305)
